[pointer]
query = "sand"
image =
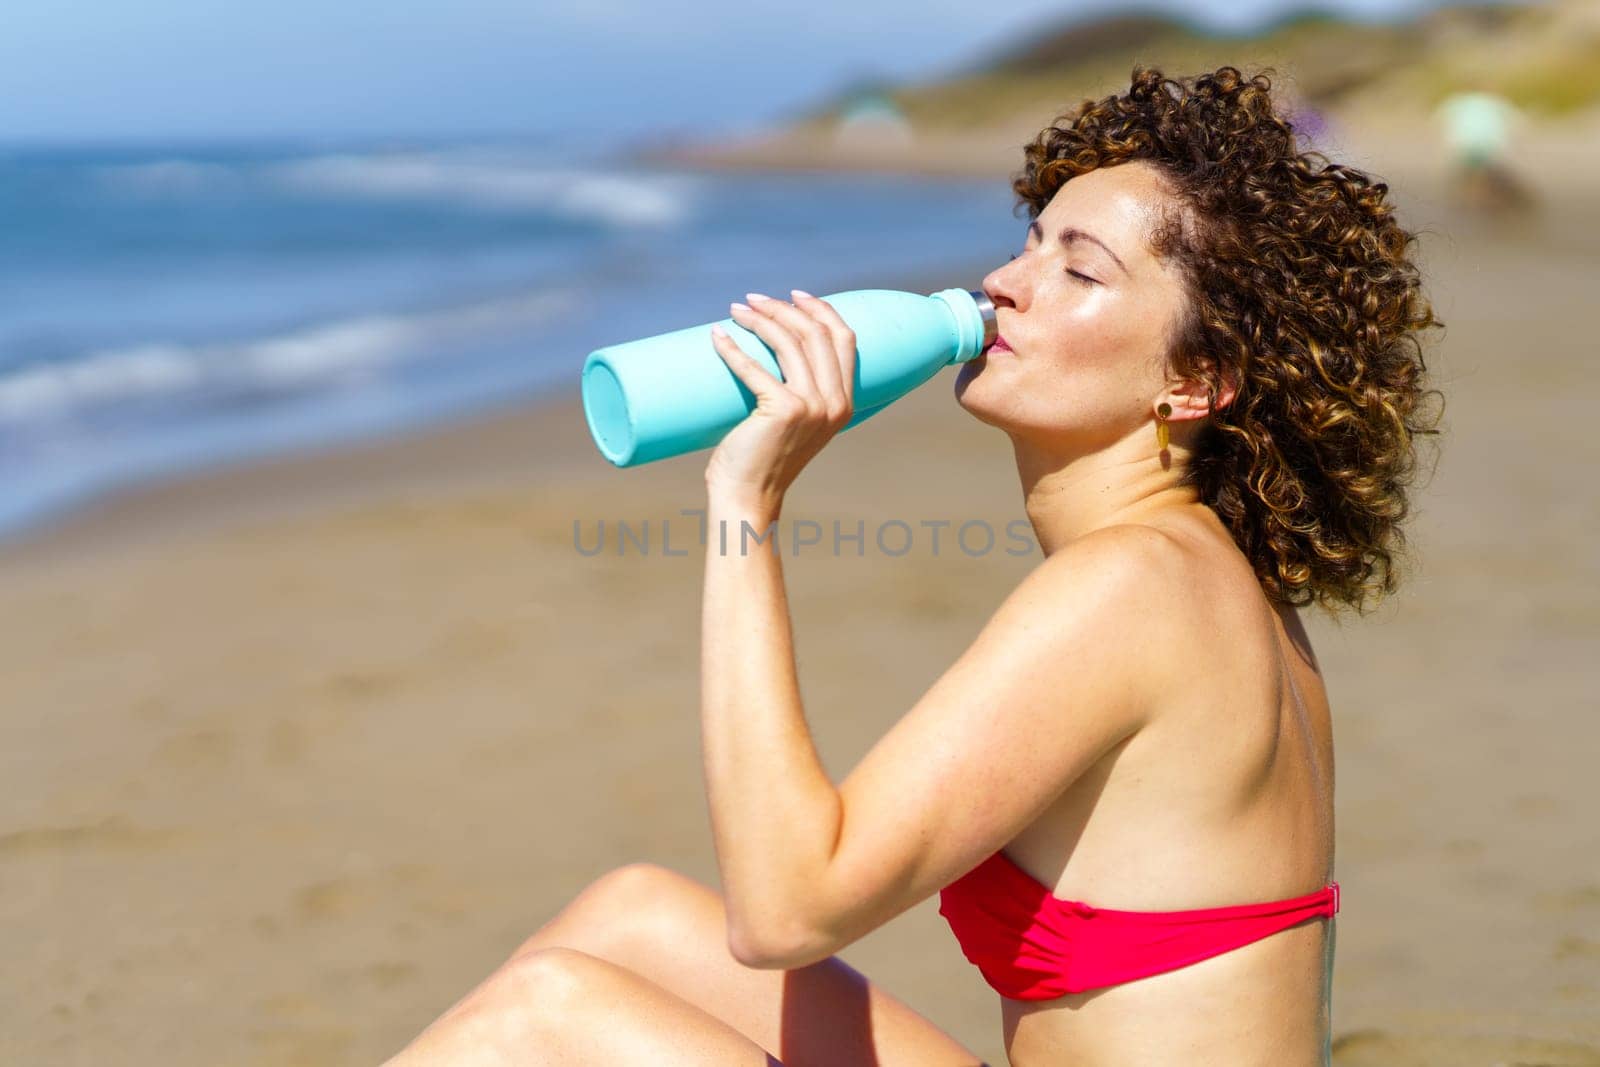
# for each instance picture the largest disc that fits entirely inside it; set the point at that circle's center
(295, 753)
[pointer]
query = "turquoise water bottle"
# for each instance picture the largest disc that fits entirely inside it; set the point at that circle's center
(672, 393)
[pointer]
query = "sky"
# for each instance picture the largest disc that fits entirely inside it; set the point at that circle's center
(152, 70)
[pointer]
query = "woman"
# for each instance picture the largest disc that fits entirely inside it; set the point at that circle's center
(1123, 791)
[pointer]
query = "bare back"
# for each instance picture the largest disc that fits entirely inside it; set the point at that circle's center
(1226, 797)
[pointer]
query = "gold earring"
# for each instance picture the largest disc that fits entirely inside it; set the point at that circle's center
(1162, 436)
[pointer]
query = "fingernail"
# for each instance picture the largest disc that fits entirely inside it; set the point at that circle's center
(799, 292)
(717, 329)
(739, 307)
(757, 296)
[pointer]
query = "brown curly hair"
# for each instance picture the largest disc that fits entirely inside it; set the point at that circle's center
(1303, 296)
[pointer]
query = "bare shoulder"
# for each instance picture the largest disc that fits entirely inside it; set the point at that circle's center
(1161, 593)
(1137, 568)
(1203, 567)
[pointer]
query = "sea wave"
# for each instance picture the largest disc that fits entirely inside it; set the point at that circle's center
(342, 352)
(481, 182)
(166, 176)
(652, 199)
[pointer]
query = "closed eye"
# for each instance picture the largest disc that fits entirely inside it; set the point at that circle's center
(1084, 278)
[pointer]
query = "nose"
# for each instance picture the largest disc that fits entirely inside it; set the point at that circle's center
(1001, 284)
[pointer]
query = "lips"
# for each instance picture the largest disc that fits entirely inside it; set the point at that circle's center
(999, 345)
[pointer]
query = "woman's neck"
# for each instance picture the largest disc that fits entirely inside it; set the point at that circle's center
(1068, 496)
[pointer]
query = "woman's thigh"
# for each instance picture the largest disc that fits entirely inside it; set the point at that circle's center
(671, 930)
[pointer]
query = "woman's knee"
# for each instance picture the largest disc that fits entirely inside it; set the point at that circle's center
(632, 904)
(540, 992)
(521, 1000)
(555, 978)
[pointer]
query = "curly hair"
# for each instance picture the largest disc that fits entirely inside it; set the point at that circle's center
(1303, 296)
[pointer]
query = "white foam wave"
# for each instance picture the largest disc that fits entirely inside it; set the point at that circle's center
(500, 185)
(142, 370)
(483, 181)
(344, 352)
(164, 175)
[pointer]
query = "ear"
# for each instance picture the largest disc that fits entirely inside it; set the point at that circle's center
(1189, 400)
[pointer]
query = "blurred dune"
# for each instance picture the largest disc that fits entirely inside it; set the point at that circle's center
(1366, 80)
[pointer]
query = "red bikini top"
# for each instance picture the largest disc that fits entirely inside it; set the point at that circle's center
(1030, 945)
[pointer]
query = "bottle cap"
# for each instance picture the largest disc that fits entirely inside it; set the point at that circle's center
(991, 328)
(975, 321)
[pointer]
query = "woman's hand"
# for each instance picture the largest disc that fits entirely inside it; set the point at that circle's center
(794, 417)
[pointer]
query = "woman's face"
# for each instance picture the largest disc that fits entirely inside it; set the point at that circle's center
(1087, 309)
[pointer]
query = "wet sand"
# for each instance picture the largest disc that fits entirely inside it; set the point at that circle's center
(295, 753)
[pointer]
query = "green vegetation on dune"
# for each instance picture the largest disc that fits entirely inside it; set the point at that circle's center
(1564, 84)
(1545, 58)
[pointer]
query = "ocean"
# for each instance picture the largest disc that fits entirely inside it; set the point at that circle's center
(169, 308)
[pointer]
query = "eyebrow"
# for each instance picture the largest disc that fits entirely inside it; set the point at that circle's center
(1069, 234)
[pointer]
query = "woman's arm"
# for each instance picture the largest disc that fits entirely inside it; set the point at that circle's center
(774, 812)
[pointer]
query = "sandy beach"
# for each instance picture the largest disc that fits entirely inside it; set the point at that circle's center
(295, 753)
